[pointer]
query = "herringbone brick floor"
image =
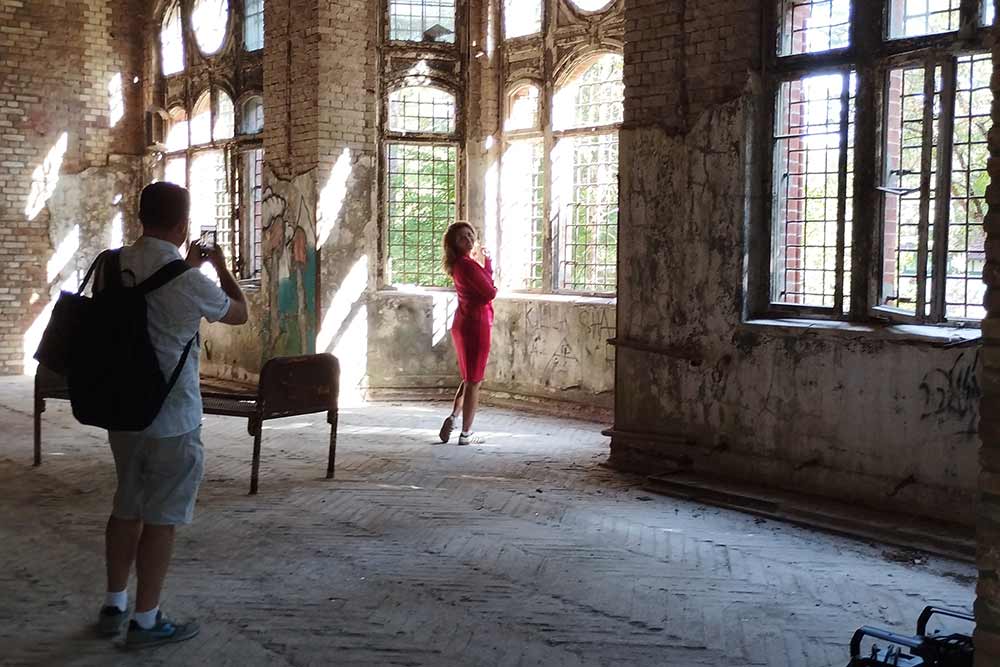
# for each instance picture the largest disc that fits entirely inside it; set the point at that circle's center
(525, 551)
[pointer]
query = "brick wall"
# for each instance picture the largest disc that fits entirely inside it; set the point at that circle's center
(56, 64)
(988, 525)
(683, 57)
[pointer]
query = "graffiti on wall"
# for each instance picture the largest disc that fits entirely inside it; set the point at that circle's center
(952, 393)
(289, 215)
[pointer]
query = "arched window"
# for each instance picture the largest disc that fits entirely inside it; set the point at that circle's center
(225, 117)
(207, 126)
(591, 5)
(521, 18)
(421, 109)
(594, 96)
(522, 108)
(177, 129)
(252, 120)
(201, 120)
(171, 41)
(559, 197)
(253, 24)
(209, 19)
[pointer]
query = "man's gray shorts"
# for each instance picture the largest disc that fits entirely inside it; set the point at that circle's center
(158, 478)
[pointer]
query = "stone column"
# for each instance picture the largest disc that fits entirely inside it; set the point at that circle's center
(988, 529)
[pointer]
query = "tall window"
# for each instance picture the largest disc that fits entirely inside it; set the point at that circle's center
(422, 20)
(421, 159)
(932, 124)
(208, 143)
(171, 41)
(559, 201)
(253, 24)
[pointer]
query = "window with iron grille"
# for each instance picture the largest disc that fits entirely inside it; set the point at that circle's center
(928, 135)
(559, 189)
(422, 20)
(522, 221)
(421, 204)
(251, 223)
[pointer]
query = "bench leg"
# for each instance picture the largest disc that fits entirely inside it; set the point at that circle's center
(39, 409)
(331, 461)
(255, 469)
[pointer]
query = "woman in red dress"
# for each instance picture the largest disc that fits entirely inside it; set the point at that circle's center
(471, 268)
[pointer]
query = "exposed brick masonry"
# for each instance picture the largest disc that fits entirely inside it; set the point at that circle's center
(56, 60)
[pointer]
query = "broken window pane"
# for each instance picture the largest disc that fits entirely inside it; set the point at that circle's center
(421, 204)
(905, 138)
(421, 109)
(522, 17)
(808, 181)
(592, 5)
(522, 214)
(913, 18)
(422, 20)
(209, 19)
(594, 97)
(522, 109)
(807, 26)
(171, 41)
(253, 25)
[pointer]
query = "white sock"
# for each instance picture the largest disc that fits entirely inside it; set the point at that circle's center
(146, 619)
(119, 599)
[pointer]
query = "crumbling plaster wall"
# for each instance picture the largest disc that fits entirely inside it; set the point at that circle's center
(70, 132)
(865, 414)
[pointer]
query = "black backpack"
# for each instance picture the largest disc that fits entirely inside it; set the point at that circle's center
(101, 344)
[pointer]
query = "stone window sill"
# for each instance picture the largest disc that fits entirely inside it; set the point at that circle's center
(908, 333)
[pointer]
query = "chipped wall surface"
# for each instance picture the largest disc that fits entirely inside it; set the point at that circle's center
(552, 349)
(236, 353)
(861, 416)
(289, 212)
(70, 127)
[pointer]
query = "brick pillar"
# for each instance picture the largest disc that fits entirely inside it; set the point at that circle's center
(988, 528)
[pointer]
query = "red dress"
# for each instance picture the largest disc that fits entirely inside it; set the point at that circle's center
(473, 324)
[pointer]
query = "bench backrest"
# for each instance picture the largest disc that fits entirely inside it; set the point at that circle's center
(299, 385)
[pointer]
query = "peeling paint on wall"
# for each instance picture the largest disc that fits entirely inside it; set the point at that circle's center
(289, 212)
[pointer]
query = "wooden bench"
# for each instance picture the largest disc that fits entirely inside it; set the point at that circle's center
(288, 386)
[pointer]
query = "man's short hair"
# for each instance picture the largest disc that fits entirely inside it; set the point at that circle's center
(163, 205)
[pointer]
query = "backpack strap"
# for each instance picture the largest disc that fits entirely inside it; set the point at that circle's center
(179, 367)
(163, 275)
(109, 263)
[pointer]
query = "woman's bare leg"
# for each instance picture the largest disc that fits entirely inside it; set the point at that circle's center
(470, 404)
(457, 404)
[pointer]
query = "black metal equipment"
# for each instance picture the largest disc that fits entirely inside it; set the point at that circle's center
(920, 650)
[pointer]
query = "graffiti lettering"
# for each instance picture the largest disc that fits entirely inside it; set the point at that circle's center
(953, 393)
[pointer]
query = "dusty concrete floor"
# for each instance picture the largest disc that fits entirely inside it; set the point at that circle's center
(522, 552)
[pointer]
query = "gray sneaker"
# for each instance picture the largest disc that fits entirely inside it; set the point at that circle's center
(165, 631)
(111, 620)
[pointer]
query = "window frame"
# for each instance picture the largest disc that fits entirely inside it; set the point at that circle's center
(575, 65)
(455, 45)
(387, 138)
(871, 53)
